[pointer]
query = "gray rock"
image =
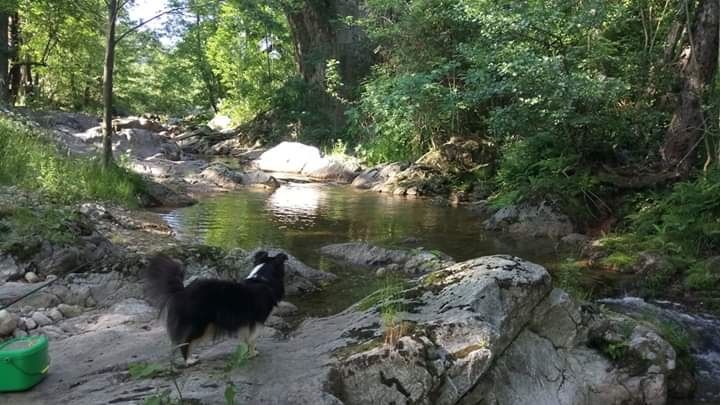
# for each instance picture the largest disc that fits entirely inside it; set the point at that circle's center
(364, 254)
(484, 303)
(162, 195)
(55, 314)
(378, 175)
(41, 319)
(530, 221)
(12, 291)
(31, 277)
(19, 333)
(332, 169)
(30, 324)
(227, 178)
(492, 331)
(62, 261)
(8, 323)
(9, 270)
(285, 308)
(137, 142)
(278, 323)
(222, 176)
(69, 311)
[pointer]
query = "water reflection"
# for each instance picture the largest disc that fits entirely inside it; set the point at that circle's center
(304, 217)
(295, 203)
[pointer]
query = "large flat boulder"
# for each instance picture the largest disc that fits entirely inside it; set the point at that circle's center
(297, 158)
(492, 330)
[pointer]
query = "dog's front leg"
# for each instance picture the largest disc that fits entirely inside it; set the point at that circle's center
(252, 338)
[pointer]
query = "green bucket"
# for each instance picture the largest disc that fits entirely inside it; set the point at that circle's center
(24, 362)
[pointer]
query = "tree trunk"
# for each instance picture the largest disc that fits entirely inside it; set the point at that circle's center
(107, 156)
(208, 76)
(317, 37)
(4, 60)
(698, 67)
(15, 40)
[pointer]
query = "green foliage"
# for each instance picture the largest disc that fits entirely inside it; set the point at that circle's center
(249, 74)
(679, 339)
(700, 277)
(571, 276)
(616, 351)
(29, 161)
(230, 393)
(687, 216)
(619, 260)
(239, 357)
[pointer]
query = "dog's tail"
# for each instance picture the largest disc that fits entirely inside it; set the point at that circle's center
(163, 278)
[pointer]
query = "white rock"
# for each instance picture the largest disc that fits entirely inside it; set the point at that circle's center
(220, 123)
(31, 277)
(289, 157)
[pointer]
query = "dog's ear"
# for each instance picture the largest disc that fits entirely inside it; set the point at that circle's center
(282, 257)
(260, 257)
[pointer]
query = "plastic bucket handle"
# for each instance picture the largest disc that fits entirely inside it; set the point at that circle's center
(12, 363)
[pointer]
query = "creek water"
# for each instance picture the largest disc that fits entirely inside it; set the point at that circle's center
(302, 217)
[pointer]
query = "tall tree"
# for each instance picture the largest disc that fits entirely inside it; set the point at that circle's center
(697, 71)
(114, 9)
(4, 58)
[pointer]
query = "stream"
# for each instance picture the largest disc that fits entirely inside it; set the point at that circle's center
(302, 217)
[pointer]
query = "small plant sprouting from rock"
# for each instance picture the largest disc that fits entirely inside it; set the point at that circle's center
(616, 351)
(237, 359)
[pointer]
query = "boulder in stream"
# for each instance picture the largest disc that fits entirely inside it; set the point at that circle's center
(415, 261)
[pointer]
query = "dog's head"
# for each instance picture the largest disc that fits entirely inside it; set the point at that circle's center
(268, 268)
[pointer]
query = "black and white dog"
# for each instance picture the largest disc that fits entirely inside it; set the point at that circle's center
(216, 307)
